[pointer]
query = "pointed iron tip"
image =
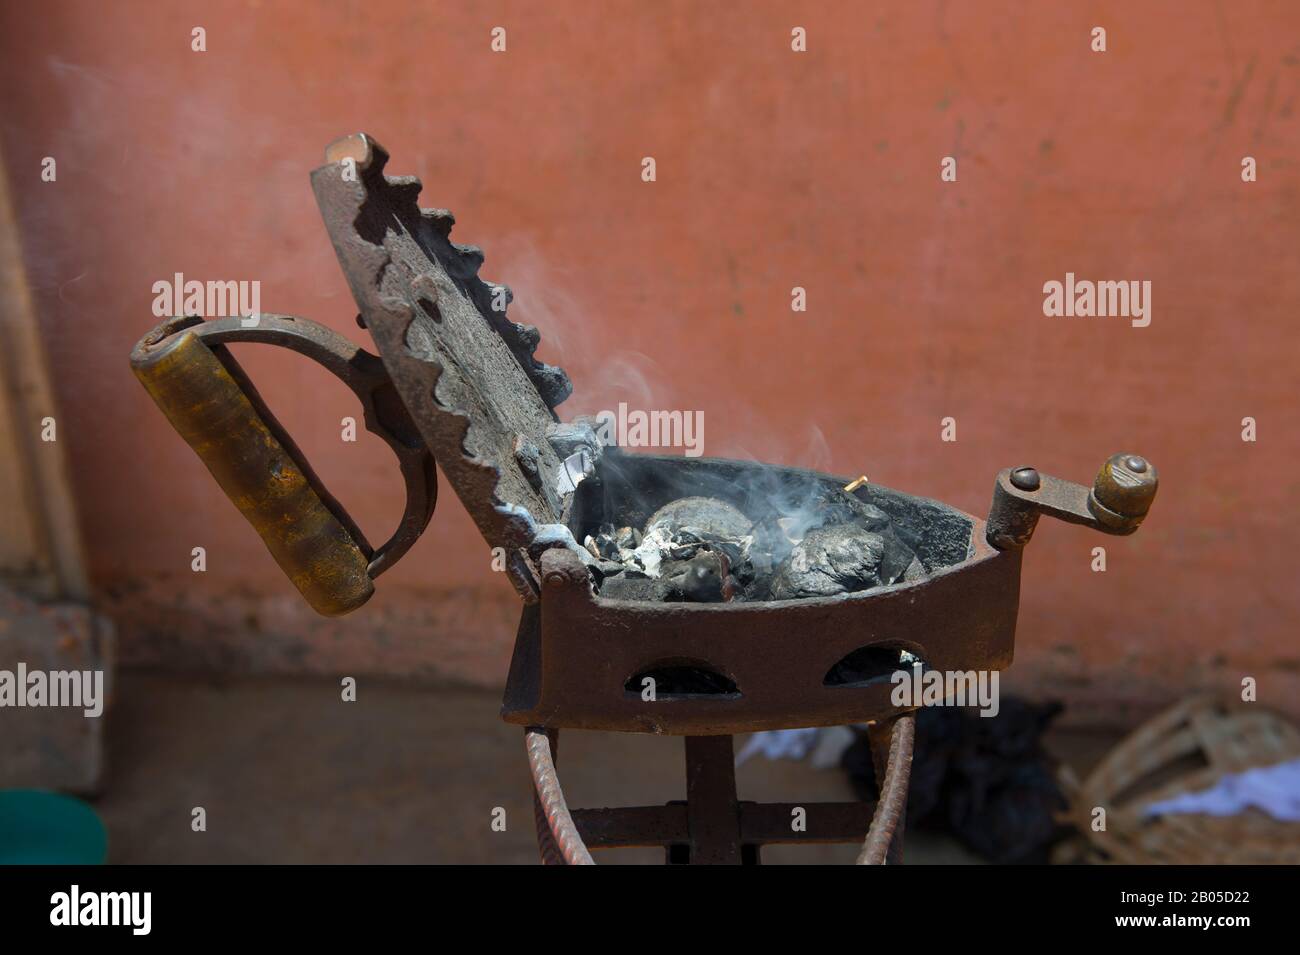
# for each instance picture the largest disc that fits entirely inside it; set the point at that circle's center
(359, 147)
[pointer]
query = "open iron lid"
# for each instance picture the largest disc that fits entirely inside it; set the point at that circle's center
(466, 373)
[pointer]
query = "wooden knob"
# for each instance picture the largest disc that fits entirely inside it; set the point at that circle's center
(1123, 491)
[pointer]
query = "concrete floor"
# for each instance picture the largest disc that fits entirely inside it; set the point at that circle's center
(289, 773)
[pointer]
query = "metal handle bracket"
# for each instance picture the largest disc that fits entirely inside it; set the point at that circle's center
(1117, 502)
(210, 401)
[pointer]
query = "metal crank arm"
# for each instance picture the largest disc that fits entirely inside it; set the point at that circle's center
(209, 400)
(1118, 501)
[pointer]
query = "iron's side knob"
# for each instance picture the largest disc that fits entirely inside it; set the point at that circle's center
(1123, 491)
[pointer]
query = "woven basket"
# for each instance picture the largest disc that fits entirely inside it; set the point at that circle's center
(1186, 749)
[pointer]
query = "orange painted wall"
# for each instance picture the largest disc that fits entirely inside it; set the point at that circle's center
(775, 169)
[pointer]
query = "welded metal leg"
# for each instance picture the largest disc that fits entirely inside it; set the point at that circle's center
(711, 826)
(712, 810)
(878, 736)
(891, 754)
(546, 845)
(557, 836)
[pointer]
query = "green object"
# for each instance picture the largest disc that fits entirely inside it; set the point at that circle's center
(45, 828)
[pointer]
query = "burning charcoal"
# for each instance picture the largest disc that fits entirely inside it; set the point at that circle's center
(771, 540)
(831, 560)
(705, 516)
(632, 587)
(828, 506)
(686, 544)
(702, 579)
(835, 506)
(915, 570)
(768, 549)
(627, 538)
(608, 568)
(603, 544)
(845, 507)
(736, 552)
(898, 557)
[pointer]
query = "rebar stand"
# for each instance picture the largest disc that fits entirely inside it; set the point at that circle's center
(712, 826)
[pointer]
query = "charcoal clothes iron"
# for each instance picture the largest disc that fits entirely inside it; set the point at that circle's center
(456, 381)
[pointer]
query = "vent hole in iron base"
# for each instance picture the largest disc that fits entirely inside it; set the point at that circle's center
(870, 665)
(680, 681)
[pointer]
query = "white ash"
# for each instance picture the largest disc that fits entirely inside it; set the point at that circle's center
(676, 532)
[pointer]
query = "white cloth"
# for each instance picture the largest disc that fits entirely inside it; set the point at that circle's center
(779, 744)
(1271, 789)
(825, 744)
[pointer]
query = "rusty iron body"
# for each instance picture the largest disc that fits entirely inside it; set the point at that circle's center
(578, 662)
(456, 380)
